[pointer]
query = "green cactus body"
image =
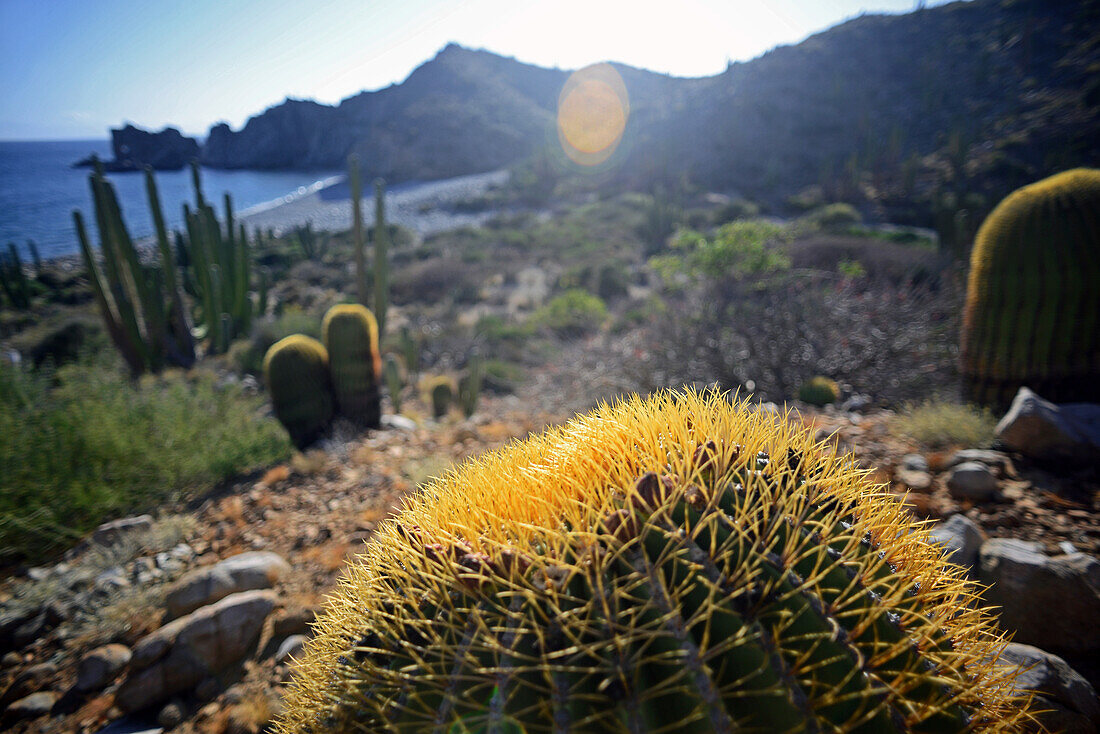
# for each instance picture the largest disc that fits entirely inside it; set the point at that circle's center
(673, 564)
(391, 372)
(819, 391)
(359, 242)
(381, 256)
(350, 334)
(441, 393)
(296, 373)
(469, 386)
(1032, 315)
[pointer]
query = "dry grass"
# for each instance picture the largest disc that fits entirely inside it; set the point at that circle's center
(938, 424)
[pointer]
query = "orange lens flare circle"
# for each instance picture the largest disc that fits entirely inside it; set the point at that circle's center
(593, 108)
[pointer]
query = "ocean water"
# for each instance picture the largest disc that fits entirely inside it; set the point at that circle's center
(39, 190)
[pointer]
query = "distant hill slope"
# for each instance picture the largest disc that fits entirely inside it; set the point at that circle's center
(966, 100)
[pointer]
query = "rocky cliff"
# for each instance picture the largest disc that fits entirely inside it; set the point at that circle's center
(134, 148)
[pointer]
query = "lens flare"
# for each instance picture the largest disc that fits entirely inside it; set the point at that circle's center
(592, 112)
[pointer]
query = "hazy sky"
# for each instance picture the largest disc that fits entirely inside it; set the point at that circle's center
(73, 68)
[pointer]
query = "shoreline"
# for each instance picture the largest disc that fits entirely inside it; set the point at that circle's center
(425, 207)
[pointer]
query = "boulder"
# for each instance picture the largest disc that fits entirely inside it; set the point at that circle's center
(112, 532)
(914, 462)
(1070, 700)
(972, 481)
(995, 460)
(192, 648)
(918, 481)
(1042, 430)
(961, 539)
(32, 706)
(1051, 602)
(244, 572)
(101, 666)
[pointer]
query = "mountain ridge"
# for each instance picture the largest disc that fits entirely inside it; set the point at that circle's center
(969, 98)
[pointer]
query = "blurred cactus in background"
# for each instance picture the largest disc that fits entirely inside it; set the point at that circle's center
(297, 376)
(350, 334)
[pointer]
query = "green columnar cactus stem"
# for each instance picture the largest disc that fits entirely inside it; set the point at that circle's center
(391, 372)
(1032, 315)
(141, 306)
(36, 258)
(381, 257)
(206, 248)
(350, 335)
(469, 386)
(410, 351)
(13, 280)
(673, 564)
(359, 242)
(296, 373)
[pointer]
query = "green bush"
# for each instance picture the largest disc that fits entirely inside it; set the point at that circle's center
(248, 356)
(83, 444)
(937, 424)
(831, 217)
(571, 314)
(739, 249)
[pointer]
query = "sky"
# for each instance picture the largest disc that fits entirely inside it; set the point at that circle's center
(71, 69)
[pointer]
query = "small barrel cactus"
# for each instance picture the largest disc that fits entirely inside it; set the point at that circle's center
(391, 373)
(350, 335)
(677, 563)
(440, 393)
(1032, 315)
(819, 391)
(296, 373)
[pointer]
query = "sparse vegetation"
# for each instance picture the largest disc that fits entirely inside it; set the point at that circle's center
(82, 444)
(938, 423)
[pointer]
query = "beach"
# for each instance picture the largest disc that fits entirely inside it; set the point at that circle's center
(424, 207)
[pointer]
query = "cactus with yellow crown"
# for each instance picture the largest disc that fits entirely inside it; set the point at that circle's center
(677, 563)
(1032, 313)
(350, 335)
(296, 373)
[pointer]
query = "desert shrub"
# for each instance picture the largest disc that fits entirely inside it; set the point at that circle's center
(880, 260)
(738, 249)
(571, 313)
(82, 444)
(502, 377)
(937, 423)
(248, 355)
(830, 217)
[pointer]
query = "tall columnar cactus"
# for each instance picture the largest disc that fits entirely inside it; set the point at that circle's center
(381, 256)
(1033, 301)
(219, 270)
(141, 305)
(359, 242)
(674, 564)
(350, 334)
(296, 373)
(13, 281)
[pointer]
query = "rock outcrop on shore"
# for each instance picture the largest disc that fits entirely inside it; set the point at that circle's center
(134, 148)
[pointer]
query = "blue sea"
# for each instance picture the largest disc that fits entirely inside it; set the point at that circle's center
(39, 189)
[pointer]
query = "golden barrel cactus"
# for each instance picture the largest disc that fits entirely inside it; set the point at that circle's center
(1032, 314)
(296, 373)
(350, 335)
(677, 563)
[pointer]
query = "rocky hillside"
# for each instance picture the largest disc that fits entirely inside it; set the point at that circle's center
(970, 99)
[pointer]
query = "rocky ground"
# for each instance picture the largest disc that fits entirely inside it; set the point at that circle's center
(125, 631)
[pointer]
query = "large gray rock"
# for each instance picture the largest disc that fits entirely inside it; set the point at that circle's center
(1070, 701)
(185, 651)
(998, 461)
(1052, 602)
(972, 481)
(134, 148)
(1045, 431)
(244, 572)
(961, 539)
(101, 666)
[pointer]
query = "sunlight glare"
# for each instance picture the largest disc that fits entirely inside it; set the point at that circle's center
(593, 108)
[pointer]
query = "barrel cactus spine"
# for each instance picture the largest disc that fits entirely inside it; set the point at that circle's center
(350, 335)
(297, 376)
(1032, 314)
(670, 564)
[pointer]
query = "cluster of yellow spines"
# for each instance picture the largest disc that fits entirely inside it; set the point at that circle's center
(675, 563)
